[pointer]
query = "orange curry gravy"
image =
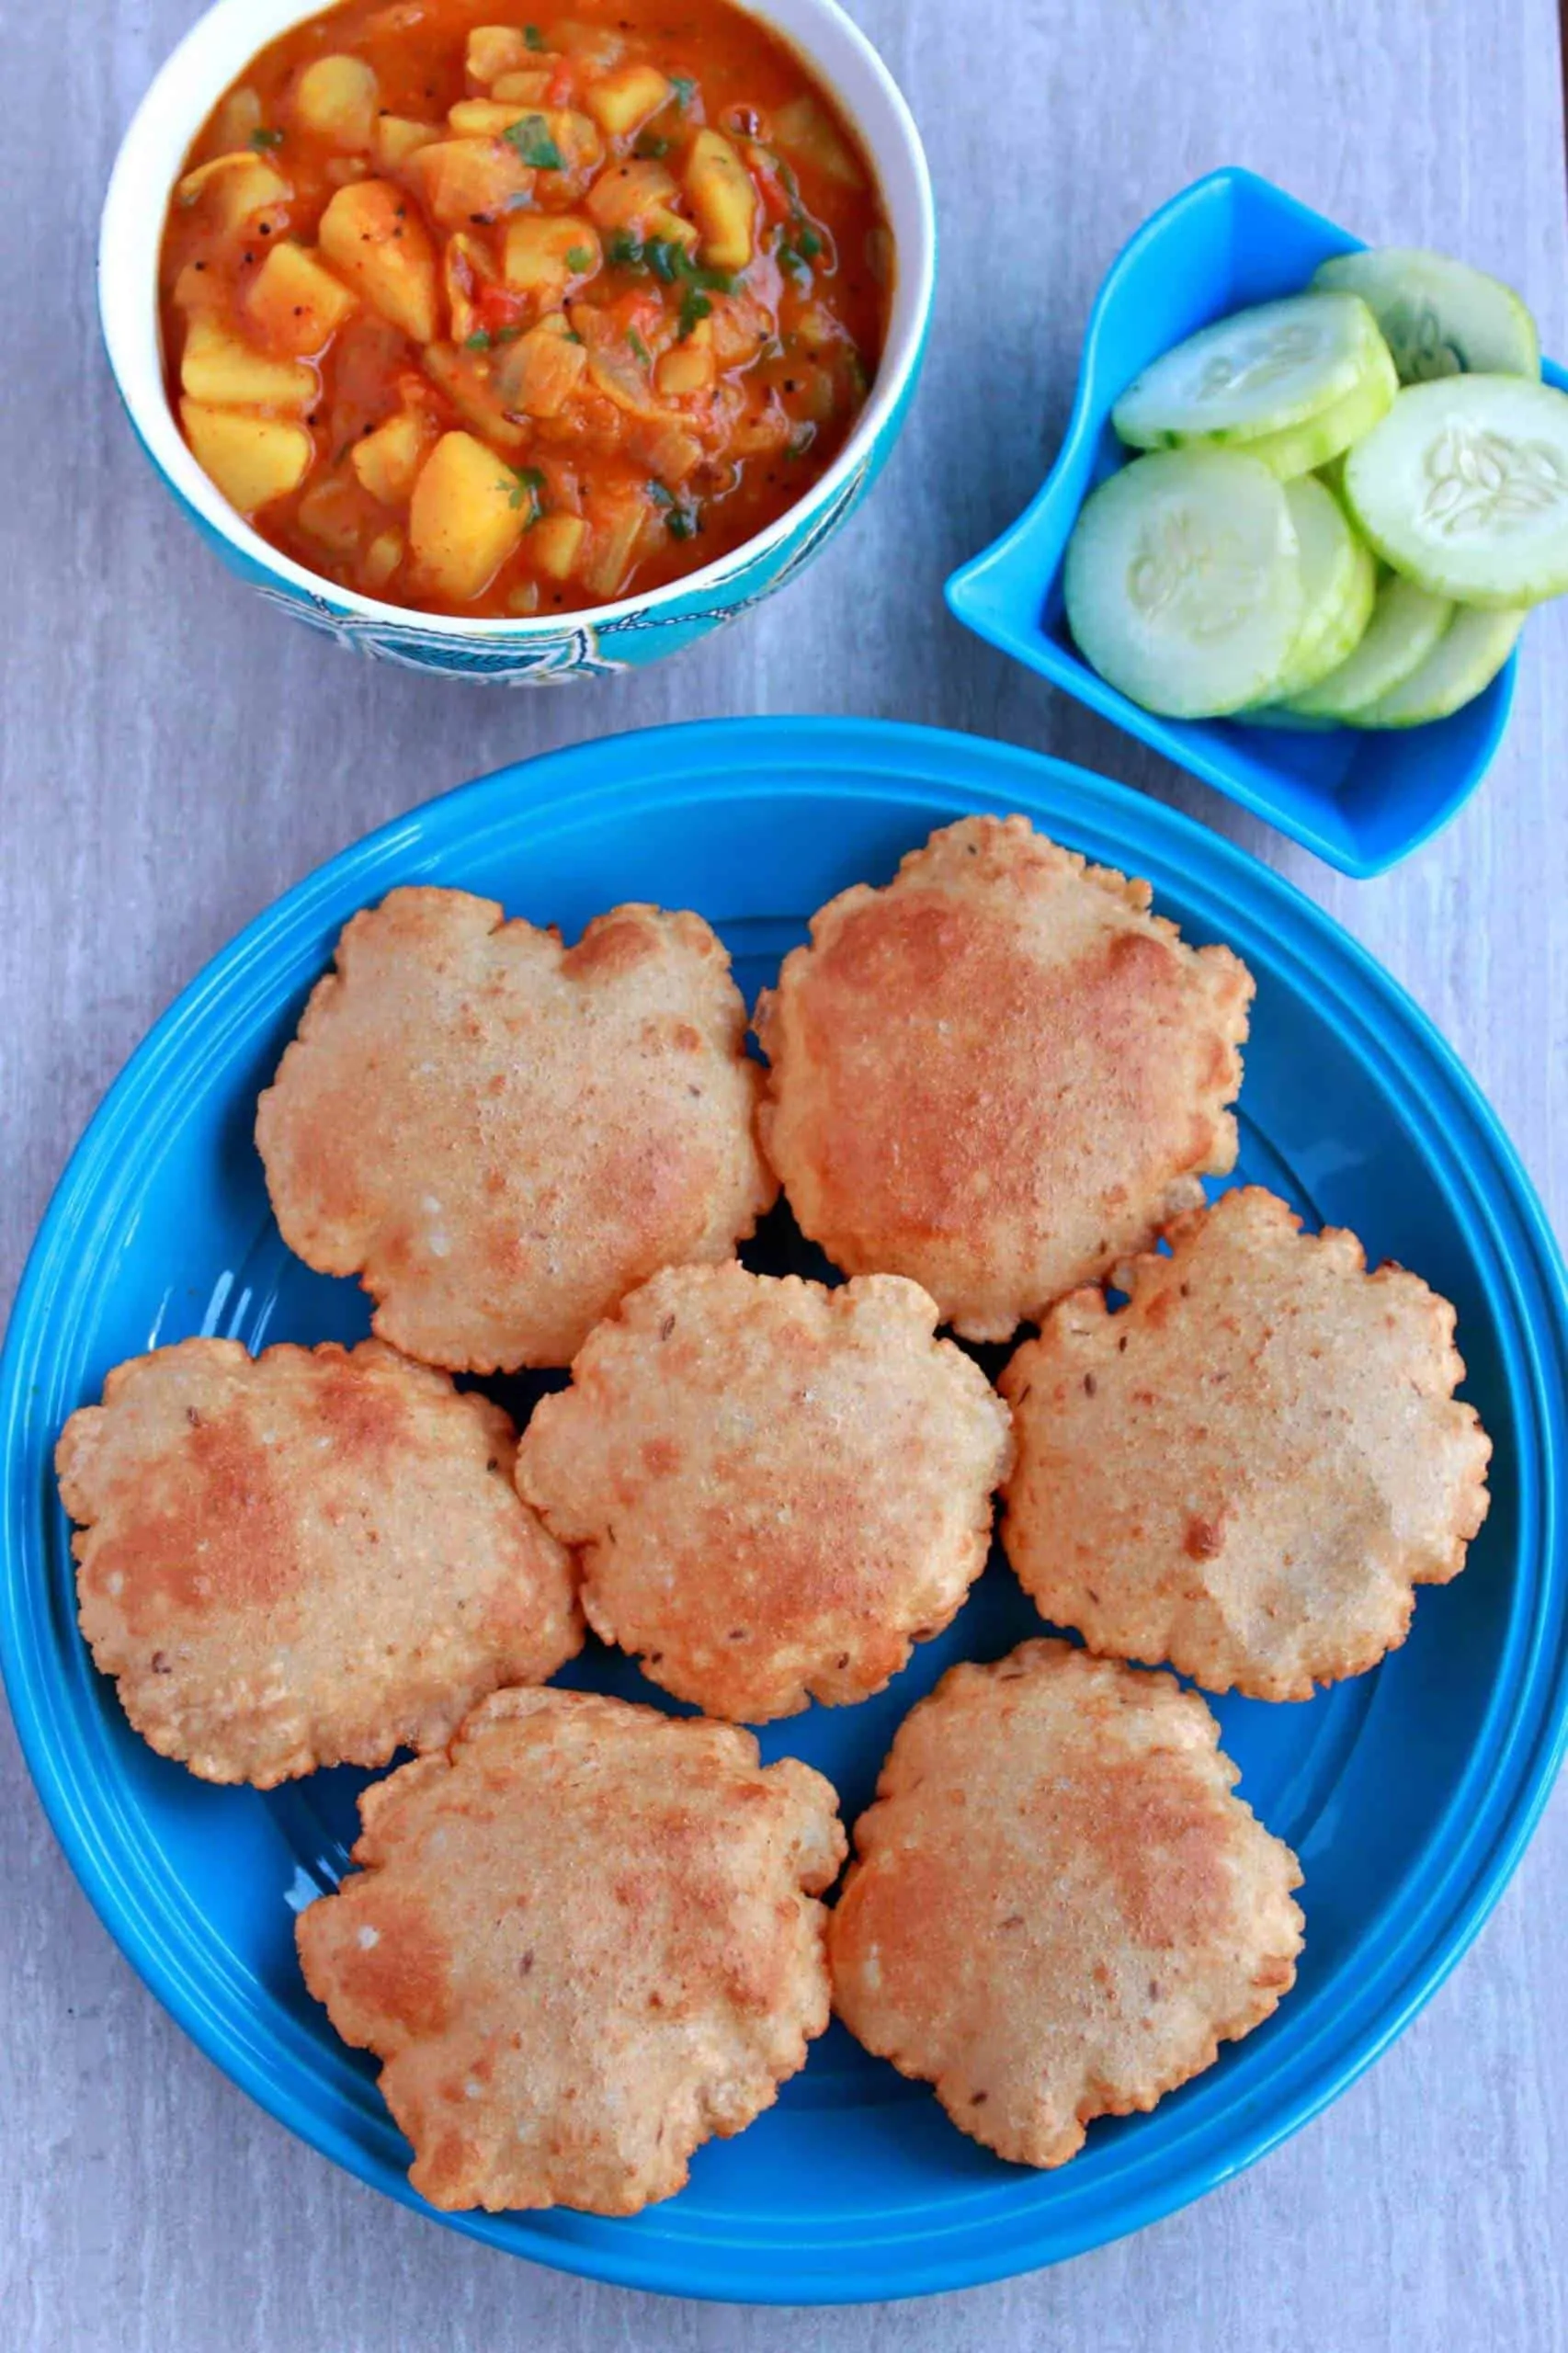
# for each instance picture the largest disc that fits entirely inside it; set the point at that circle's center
(499, 311)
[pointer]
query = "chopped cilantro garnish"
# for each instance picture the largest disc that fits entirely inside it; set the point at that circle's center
(579, 258)
(693, 308)
(624, 251)
(478, 341)
(789, 257)
(531, 138)
(638, 345)
(683, 89)
(807, 242)
(650, 147)
(680, 521)
(670, 263)
(532, 37)
(526, 484)
(262, 140)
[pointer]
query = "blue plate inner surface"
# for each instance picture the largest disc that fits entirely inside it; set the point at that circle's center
(1407, 1793)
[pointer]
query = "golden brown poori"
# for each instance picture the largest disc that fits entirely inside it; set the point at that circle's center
(1247, 1470)
(999, 1075)
(309, 1557)
(581, 1943)
(1058, 1909)
(502, 1135)
(775, 1488)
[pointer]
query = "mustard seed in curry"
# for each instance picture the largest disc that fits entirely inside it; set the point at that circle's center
(496, 319)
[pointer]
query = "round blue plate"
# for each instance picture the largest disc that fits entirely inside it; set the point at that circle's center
(1408, 1793)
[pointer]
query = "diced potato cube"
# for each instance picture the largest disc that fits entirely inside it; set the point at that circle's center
(336, 97)
(688, 368)
(398, 135)
(494, 49)
(723, 198)
(674, 228)
(623, 99)
(220, 371)
(238, 187)
(576, 135)
(374, 236)
(238, 120)
(545, 252)
(739, 326)
(555, 542)
(252, 459)
(482, 117)
(539, 372)
(382, 559)
(296, 303)
(464, 180)
(523, 89)
(333, 512)
(625, 195)
(803, 130)
(199, 289)
(467, 514)
(388, 461)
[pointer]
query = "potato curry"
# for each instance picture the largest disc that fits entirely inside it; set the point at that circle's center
(501, 318)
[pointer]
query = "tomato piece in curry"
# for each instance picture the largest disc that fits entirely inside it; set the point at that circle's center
(495, 318)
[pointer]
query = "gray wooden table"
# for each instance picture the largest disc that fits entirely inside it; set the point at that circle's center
(175, 754)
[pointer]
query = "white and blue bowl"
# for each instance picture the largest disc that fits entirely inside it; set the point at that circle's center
(635, 631)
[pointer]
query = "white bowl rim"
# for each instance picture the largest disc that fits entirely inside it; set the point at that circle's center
(130, 233)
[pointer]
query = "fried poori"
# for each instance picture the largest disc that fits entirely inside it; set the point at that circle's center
(1058, 1908)
(1248, 1468)
(309, 1557)
(581, 1944)
(775, 1488)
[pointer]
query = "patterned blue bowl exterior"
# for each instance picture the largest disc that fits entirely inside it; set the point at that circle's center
(583, 646)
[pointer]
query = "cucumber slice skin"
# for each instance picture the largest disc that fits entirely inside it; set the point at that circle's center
(1340, 579)
(1462, 664)
(1183, 582)
(1439, 317)
(1464, 487)
(1323, 440)
(1405, 625)
(1256, 371)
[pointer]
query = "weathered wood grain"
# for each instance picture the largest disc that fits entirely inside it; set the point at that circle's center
(174, 754)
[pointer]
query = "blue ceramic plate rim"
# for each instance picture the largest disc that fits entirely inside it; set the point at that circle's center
(1494, 1804)
(1025, 641)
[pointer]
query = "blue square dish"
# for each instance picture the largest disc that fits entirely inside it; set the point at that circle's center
(1360, 801)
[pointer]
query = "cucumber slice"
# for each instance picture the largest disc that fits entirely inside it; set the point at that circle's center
(1183, 582)
(1438, 317)
(1323, 440)
(1339, 586)
(1256, 371)
(1464, 487)
(1405, 625)
(1466, 658)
